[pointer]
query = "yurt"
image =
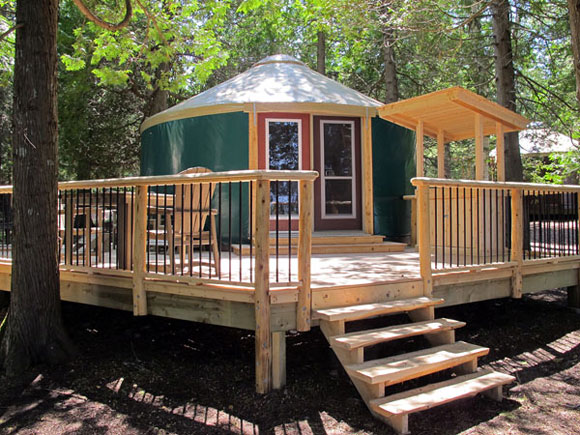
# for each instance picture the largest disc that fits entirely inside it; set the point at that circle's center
(280, 114)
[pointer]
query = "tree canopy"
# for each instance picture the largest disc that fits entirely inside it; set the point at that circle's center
(111, 80)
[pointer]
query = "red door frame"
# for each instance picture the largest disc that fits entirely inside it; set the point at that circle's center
(305, 149)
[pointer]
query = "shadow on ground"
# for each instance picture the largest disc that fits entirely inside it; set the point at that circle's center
(154, 375)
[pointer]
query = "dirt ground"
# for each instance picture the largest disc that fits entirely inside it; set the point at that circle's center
(157, 376)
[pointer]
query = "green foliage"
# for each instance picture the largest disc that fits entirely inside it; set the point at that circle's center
(110, 81)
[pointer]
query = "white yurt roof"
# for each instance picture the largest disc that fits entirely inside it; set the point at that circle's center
(275, 81)
(543, 141)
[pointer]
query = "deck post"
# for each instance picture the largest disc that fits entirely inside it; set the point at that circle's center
(262, 292)
(367, 173)
(419, 133)
(424, 238)
(479, 158)
(500, 151)
(574, 294)
(304, 305)
(517, 241)
(440, 154)
(278, 359)
(140, 252)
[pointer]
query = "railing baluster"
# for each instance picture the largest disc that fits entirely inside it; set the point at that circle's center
(251, 183)
(478, 230)
(450, 228)
(464, 229)
(289, 231)
(240, 214)
(443, 224)
(230, 230)
(219, 235)
(436, 229)
(457, 223)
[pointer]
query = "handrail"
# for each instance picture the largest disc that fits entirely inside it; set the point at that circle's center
(425, 181)
(472, 224)
(160, 180)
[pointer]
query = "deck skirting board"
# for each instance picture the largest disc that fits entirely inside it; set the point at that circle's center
(467, 292)
(550, 280)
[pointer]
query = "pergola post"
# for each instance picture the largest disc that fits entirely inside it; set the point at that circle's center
(440, 154)
(419, 133)
(479, 160)
(500, 151)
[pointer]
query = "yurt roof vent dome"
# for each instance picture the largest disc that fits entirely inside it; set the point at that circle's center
(273, 80)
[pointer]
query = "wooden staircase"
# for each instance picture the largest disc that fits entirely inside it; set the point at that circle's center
(372, 378)
(331, 243)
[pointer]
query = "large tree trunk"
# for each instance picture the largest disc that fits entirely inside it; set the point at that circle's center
(391, 82)
(34, 331)
(159, 100)
(506, 84)
(574, 11)
(321, 53)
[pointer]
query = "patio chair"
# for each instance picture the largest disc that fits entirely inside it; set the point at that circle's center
(192, 207)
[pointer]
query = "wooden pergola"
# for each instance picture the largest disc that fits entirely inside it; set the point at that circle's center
(455, 114)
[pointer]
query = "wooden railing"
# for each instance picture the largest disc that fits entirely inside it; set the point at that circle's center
(470, 224)
(206, 228)
(214, 231)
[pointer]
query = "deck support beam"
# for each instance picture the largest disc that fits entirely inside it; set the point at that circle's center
(574, 293)
(262, 292)
(278, 359)
(574, 296)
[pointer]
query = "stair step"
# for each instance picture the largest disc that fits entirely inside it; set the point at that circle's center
(400, 368)
(440, 393)
(331, 239)
(355, 340)
(333, 248)
(356, 312)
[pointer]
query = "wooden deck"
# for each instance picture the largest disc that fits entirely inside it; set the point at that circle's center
(278, 284)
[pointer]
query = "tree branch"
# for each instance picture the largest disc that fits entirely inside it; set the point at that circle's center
(9, 31)
(104, 24)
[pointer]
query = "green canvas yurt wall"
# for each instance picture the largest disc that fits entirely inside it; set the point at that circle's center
(393, 167)
(218, 142)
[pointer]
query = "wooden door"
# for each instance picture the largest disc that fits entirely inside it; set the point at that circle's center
(337, 157)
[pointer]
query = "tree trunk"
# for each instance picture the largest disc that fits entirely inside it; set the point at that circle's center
(159, 100)
(505, 82)
(321, 53)
(391, 82)
(574, 11)
(34, 331)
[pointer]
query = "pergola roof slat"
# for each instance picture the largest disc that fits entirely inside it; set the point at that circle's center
(452, 110)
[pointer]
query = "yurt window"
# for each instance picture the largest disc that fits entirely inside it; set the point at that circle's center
(283, 153)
